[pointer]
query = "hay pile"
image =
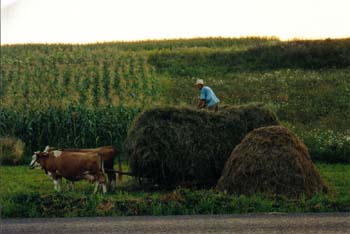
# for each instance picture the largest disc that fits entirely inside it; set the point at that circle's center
(271, 160)
(176, 146)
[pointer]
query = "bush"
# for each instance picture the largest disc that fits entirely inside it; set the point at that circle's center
(180, 146)
(11, 150)
(327, 146)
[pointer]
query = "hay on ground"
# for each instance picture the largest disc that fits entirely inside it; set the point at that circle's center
(11, 150)
(271, 160)
(175, 146)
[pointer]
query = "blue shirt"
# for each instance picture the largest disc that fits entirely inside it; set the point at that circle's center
(209, 96)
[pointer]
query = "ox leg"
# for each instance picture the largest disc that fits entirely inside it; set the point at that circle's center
(70, 185)
(96, 186)
(112, 182)
(101, 178)
(102, 184)
(90, 178)
(57, 184)
(104, 188)
(102, 181)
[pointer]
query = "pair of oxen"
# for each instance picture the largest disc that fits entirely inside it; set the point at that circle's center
(78, 164)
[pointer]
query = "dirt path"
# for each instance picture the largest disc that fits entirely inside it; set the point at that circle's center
(257, 223)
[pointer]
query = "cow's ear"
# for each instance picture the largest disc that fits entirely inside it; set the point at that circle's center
(47, 148)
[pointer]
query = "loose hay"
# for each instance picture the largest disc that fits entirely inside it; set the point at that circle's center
(274, 161)
(172, 146)
(11, 150)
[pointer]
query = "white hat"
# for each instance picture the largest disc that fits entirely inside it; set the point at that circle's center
(199, 81)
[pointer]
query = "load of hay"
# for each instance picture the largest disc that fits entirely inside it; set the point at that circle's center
(273, 161)
(177, 146)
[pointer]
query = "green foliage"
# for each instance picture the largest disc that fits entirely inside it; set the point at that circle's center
(66, 77)
(95, 88)
(328, 146)
(106, 82)
(75, 126)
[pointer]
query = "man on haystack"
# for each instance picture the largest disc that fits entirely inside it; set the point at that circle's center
(207, 98)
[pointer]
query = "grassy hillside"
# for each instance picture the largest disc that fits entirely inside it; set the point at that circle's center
(307, 83)
(260, 57)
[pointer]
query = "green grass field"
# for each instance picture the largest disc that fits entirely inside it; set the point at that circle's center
(29, 193)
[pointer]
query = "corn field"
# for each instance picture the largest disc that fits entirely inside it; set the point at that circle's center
(74, 126)
(66, 77)
(72, 96)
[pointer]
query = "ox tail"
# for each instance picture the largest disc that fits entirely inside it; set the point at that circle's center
(120, 175)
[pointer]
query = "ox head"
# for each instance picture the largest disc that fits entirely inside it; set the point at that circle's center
(37, 159)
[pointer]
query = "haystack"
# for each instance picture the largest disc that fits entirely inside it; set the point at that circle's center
(174, 146)
(271, 160)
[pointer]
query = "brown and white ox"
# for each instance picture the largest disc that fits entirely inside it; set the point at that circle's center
(108, 154)
(72, 166)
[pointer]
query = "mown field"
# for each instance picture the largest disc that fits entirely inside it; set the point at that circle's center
(29, 193)
(89, 95)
